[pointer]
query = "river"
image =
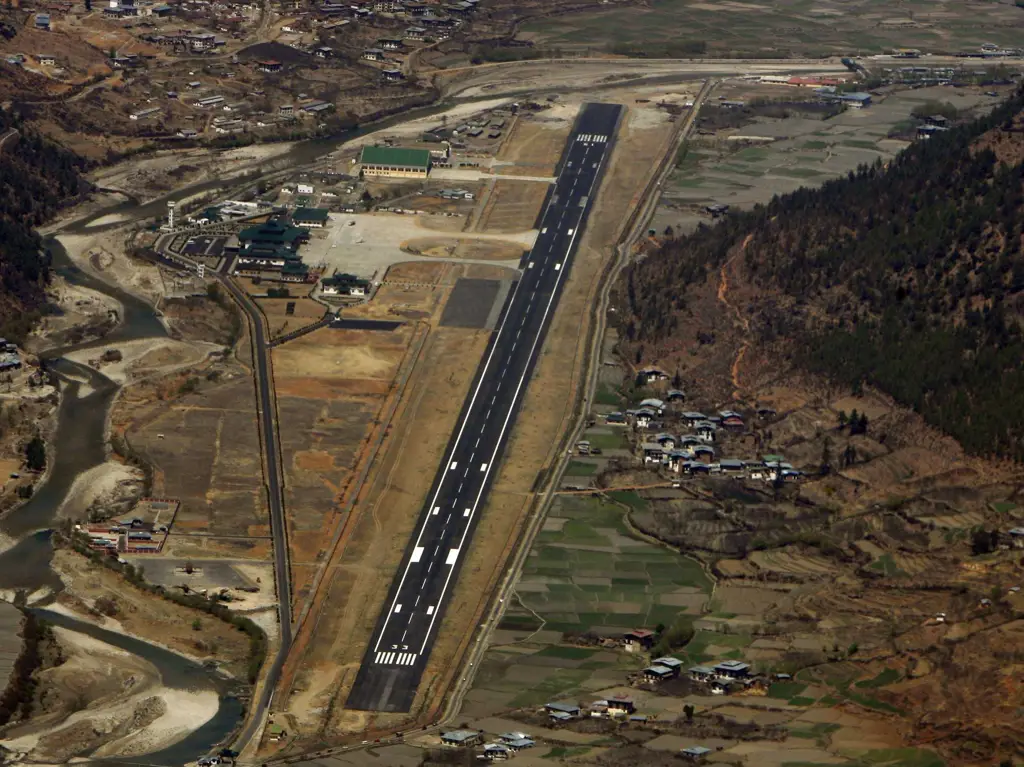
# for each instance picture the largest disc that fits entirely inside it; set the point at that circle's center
(79, 442)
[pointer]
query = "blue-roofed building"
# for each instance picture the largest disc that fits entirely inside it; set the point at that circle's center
(695, 753)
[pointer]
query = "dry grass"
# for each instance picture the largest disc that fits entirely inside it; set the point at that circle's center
(513, 206)
(532, 148)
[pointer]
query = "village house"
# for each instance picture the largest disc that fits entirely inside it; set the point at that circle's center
(705, 431)
(638, 640)
(730, 419)
(692, 417)
(652, 403)
(460, 738)
(269, 66)
(496, 752)
(373, 54)
(653, 452)
(675, 395)
(731, 670)
(615, 419)
(619, 706)
(701, 673)
(652, 374)
(562, 711)
(658, 673)
(695, 753)
(516, 741)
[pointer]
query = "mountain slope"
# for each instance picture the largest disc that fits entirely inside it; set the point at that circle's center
(908, 277)
(36, 178)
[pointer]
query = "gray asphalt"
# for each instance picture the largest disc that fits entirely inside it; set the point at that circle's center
(271, 443)
(397, 655)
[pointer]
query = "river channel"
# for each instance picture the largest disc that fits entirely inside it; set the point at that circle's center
(79, 441)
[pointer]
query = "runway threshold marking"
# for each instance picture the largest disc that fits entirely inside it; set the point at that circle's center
(462, 427)
(573, 233)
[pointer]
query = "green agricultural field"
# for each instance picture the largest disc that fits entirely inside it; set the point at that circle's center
(585, 572)
(681, 29)
(581, 469)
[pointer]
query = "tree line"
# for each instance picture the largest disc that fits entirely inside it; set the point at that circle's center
(906, 275)
(37, 177)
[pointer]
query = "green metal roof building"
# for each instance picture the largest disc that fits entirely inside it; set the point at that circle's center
(274, 233)
(314, 217)
(395, 161)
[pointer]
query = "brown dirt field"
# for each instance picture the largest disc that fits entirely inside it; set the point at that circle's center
(380, 526)
(533, 148)
(205, 449)
(307, 311)
(331, 386)
(150, 617)
(416, 271)
(513, 206)
(452, 248)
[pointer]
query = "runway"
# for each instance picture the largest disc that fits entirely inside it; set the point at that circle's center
(401, 643)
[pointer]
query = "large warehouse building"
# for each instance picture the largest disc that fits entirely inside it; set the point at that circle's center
(395, 162)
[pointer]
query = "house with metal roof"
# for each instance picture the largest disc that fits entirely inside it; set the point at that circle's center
(394, 162)
(695, 753)
(460, 738)
(570, 711)
(658, 673)
(313, 218)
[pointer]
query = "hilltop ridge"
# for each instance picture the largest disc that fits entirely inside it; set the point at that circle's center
(908, 277)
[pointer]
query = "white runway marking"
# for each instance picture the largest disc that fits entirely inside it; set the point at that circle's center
(452, 556)
(417, 554)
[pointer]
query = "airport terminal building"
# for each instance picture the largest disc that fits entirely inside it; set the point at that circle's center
(394, 162)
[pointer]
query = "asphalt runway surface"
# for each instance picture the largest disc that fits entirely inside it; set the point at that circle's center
(401, 643)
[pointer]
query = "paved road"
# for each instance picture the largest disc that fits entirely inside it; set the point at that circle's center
(268, 428)
(401, 644)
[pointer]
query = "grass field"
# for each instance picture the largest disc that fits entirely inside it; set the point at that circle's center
(590, 575)
(585, 573)
(800, 27)
(803, 151)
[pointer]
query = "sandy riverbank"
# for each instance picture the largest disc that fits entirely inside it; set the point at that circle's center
(91, 712)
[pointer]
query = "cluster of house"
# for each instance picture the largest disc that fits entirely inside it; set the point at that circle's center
(612, 708)
(130, 536)
(9, 358)
(507, 745)
(719, 679)
(120, 9)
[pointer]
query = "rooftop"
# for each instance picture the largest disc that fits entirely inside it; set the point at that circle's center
(405, 158)
(318, 215)
(459, 736)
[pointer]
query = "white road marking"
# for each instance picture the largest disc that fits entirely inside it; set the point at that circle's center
(458, 437)
(417, 553)
(508, 418)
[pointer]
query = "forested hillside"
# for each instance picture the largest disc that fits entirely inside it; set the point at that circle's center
(36, 178)
(909, 277)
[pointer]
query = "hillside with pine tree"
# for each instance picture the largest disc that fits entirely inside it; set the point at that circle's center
(37, 177)
(907, 277)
